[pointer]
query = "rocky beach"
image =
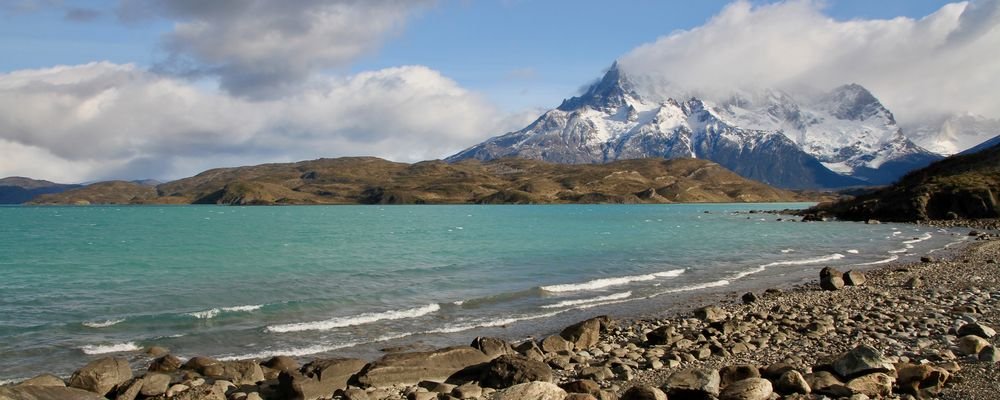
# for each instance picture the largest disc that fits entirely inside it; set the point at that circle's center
(918, 330)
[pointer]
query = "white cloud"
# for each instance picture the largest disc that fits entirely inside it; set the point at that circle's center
(266, 48)
(920, 68)
(104, 120)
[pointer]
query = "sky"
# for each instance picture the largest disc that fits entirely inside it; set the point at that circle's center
(134, 89)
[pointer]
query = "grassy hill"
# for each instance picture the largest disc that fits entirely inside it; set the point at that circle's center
(369, 180)
(961, 186)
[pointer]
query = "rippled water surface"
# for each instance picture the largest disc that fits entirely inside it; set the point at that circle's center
(237, 282)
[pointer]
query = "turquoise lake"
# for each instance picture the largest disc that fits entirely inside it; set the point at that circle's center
(239, 282)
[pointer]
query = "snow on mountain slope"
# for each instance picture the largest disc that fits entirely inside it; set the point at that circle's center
(843, 138)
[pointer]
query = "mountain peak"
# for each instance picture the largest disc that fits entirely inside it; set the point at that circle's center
(854, 102)
(608, 93)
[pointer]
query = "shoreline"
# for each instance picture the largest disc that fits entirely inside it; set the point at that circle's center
(630, 330)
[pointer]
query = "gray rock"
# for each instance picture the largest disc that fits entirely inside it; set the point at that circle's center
(319, 378)
(506, 371)
(101, 376)
(792, 382)
(664, 335)
(154, 384)
(861, 360)
(854, 278)
(167, 363)
(831, 279)
(748, 298)
(585, 334)
(532, 390)
(530, 349)
(129, 390)
(556, 344)
(694, 383)
(245, 372)
(410, 368)
(977, 329)
(31, 392)
(873, 385)
(972, 344)
(44, 380)
(823, 382)
(157, 351)
(748, 389)
(492, 347)
(643, 392)
(710, 314)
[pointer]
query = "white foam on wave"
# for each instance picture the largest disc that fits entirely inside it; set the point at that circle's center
(897, 251)
(883, 261)
(353, 320)
(209, 314)
(606, 282)
(853, 251)
(926, 236)
(599, 299)
(305, 351)
(110, 348)
(103, 324)
(491, 323)
(787, 250)
(831, 257)
(722, 282)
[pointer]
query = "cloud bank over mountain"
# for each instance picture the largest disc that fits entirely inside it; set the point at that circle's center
(107, 120)
(943, 63)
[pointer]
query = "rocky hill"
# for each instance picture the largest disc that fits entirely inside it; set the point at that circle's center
(961, 186)
(842, 138)
(17, 190)
(368, 180)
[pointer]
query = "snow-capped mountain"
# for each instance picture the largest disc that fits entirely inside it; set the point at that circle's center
(843, 138)
(954, 133)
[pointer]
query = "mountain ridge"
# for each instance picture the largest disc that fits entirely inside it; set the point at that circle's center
(844, 138)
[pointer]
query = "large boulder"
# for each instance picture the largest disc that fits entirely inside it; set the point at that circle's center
(584, 334)
(31, 392)
(748, 389)
(854, 278)
(831, 279)
(319, 378)
(201, 365)
(556, 344)
(861, 360)
(101, 376)
(643, 393)
(792, 382)
(492, 347)
(533, 391)
(411, 368)
(245, 372)
(711, 314)
(154, 384)
(282, 364)
(972, 344)
(506, 371)
(695, 383)
(662, 336)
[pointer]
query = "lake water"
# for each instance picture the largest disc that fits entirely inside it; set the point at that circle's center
(237, 282)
